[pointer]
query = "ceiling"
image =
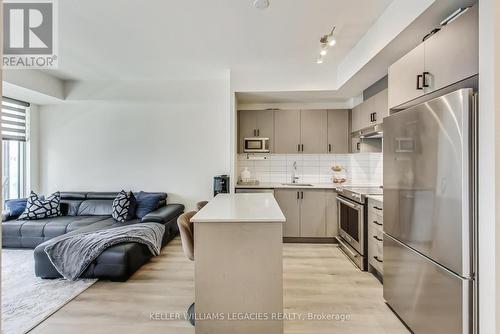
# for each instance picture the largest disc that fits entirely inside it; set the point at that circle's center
(269, 55)
(165, 39)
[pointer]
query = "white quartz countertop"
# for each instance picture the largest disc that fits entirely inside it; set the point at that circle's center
(379, 198)
(241, 208)
(277, 185)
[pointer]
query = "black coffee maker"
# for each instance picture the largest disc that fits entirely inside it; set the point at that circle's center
(221, 184)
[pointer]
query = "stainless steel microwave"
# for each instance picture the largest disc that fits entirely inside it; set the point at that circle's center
(256, 145)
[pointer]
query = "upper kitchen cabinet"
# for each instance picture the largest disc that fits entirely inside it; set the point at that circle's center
(405, 77)
(287, 131)
(355, 117)
(313, 131)
(447, 57)
(370, 112)
(338, 131)
(381, 107)
(256, 123)
(453, 54)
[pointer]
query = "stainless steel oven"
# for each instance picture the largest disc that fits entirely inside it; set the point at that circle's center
(351, 223)
(351, 220)
(352, 216)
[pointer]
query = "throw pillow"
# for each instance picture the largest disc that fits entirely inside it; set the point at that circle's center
(124, 206)
(39, 208)
(15, 207)
(146, 202)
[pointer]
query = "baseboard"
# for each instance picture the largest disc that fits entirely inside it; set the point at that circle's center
(310, 240)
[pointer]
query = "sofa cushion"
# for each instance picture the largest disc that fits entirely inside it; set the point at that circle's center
(15, 207)
(146, 203)
(73, 195)
(38, 208)
(30, 233)
(102, 195)
(95, 207)
(124, 206)
(164, 214)
(69, 207)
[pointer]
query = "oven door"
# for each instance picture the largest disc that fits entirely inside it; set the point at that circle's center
(351, 223)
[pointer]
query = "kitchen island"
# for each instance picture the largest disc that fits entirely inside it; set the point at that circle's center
(238, 265)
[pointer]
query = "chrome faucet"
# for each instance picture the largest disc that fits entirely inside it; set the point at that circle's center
(294, 172)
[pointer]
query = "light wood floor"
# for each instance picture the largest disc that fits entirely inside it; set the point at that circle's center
(317, 278)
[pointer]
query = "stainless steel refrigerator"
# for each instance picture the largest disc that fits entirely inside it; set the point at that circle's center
(429, 214)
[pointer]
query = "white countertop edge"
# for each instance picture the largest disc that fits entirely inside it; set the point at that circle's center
(378, 198)
(241, 208)
(278, 185)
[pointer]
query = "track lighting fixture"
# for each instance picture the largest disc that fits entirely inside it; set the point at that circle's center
(326, 41)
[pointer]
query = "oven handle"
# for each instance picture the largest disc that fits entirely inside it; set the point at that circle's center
(339, 240)
(349, 203)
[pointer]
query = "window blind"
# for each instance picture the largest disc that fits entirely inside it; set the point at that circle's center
(13, 119)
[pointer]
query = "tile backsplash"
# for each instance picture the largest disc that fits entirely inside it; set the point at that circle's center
(361, 168)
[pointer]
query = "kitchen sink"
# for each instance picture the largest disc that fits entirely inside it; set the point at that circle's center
(297, 184)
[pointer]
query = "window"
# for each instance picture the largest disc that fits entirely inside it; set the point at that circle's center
(14, 129)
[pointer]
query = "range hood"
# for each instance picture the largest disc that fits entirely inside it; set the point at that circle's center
(373, 132)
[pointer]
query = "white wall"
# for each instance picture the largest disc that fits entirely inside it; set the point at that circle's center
(33, 150)
(133, 140)
(489, 166)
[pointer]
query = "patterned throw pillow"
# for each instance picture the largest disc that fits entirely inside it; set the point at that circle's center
(124, 206)
(39, 208)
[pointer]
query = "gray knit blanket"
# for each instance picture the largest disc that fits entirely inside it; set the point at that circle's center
(72, 254)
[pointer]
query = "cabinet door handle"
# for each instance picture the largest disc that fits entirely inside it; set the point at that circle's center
(301, 195)
(377, 223)
(377, 238)
(374, 117)
(298, 147)
(329, 147)
(258, 132)
(357, 146)
(378, 260)
(420, 76)
(377, 208)
(297, 195)
(302, 147)
(425, 83)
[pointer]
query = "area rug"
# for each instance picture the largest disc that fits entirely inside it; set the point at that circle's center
(28, 300)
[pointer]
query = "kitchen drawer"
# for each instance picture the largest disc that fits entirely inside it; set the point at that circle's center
(375, 220)
(375, 247)
(376, 207)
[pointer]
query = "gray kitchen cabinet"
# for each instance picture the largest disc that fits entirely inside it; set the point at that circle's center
(255, 123)
(287, 131)
(449, 56)
(305, 212)
(338, 131)
(355, 145)
(356, 117)
(289, 202)
(453, 54)
(381, 107)
(332, 229)
(246, 127)
(313, 131)
(375, 235)
(403, 77)
(313, 213)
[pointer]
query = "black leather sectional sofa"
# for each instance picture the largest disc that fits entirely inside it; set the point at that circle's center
(89, 211)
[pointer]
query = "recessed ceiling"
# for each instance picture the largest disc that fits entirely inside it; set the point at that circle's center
(290, 97)
(163, 39)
